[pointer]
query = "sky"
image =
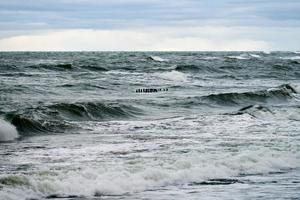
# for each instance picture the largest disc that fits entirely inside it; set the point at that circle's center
(149, 25)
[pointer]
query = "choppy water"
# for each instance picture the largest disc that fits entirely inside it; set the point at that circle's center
(73, 127)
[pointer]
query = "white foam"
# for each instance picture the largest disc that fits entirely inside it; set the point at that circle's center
(158, 59)
(211, 58)
(255, 55)
(241, 57)
(122, 178)
(267, 52)
(173, 76)
(7, 131)
(291, 58)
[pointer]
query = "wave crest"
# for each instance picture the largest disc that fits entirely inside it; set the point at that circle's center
(282, 92)
(7, 131)
(56, 118)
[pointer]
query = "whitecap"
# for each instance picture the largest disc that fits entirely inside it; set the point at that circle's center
(241, 57)
(120, 179)
(172, 76)
(8, 132)
(255, 55)
(157, 58)
(267, 52)
(291, 58)
(211, 58)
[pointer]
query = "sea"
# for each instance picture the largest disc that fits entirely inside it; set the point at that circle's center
(149, 125)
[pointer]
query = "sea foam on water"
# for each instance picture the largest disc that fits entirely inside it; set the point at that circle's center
(173, 76)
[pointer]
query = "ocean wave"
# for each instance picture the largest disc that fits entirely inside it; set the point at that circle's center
(255, 55)
(187, 68)
(157, 59)
(194, 169)
(68, 67)
(94, 111)
(240, 57)
(254, 111)
(282, 92)
(93, 68)
(290, 58)
(57, 118)
(267, 52)
(197, 68)
(54, 67)
(7, 131)
(28, 126)
(210, 58)
(278, 94)
(173, 76)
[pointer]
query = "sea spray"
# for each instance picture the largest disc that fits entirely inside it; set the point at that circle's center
(7, 131)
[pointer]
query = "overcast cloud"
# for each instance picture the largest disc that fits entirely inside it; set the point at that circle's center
(257, 24)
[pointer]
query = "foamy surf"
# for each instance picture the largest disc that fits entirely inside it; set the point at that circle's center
(7, 131)
(129, 178)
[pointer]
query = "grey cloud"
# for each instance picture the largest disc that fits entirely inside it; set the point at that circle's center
(109, 14)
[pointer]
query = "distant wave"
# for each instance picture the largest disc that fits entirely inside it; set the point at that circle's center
(240, 57)
(67, 67)
(173, 76)
(254, 55)
(157, 58)
(56, 117)
(290, 58)
(93, 68)
(267, 52)
(196, 68)
(187, 67)
(210, 58)
(56, 67)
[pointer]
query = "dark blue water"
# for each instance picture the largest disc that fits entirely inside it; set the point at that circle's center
(216, 125)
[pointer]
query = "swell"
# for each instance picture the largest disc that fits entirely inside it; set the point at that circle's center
(197, 68)
(94, 111)
(69, 67)
(60, 117)
(280, 93)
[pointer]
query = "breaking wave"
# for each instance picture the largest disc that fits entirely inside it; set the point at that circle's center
(282, 92)
(7, 131)
(157, 59)
(57, 118)
(240, 57)
(290, 58)
(198, 169)
(278, 94)
(173, 76)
